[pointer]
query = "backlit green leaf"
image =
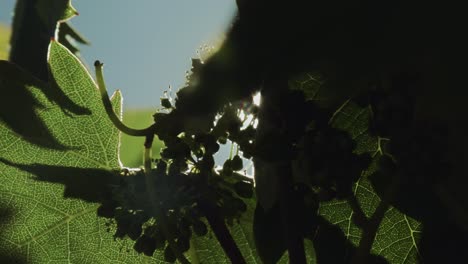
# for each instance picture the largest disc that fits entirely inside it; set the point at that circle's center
(48, 198)
(396, 235)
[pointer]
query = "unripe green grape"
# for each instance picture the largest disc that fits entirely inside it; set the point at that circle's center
(249, 132)
(212, 148)
(146, 245)
(183, 243)
(166, 103)
(209, 143)
(160, 240)
(200, 228)
(169, 255)
(168, 153)
(222, 139)
(227, 167)
(243, 189)
(134, 230)
(184, 228)
(236, 163)
(161, 167)
(208, 162)
(238, 204)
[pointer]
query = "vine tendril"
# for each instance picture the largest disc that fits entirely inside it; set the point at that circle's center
(110, 112)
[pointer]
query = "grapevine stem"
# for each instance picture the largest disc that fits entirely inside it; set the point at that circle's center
(291, 204)
(110, 112)
(153, 198)
(230, 152)
(222, 233)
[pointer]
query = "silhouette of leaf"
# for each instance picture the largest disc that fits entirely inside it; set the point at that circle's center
(35, 23)
(69, 37)
(53, 11)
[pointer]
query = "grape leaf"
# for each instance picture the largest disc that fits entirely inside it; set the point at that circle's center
(310, 84)
(48, 198)
(15, 84)
(37, 210)
(208, 250)
(366, 216)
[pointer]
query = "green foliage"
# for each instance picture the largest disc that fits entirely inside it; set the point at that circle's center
(48, 202)
(366, 214)
(77, 178)
(342, 174)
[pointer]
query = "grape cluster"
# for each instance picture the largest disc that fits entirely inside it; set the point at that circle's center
(312, 161)
(183, 197)
(190, 190)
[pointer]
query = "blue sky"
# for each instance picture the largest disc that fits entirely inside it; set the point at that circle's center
(145, 46)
